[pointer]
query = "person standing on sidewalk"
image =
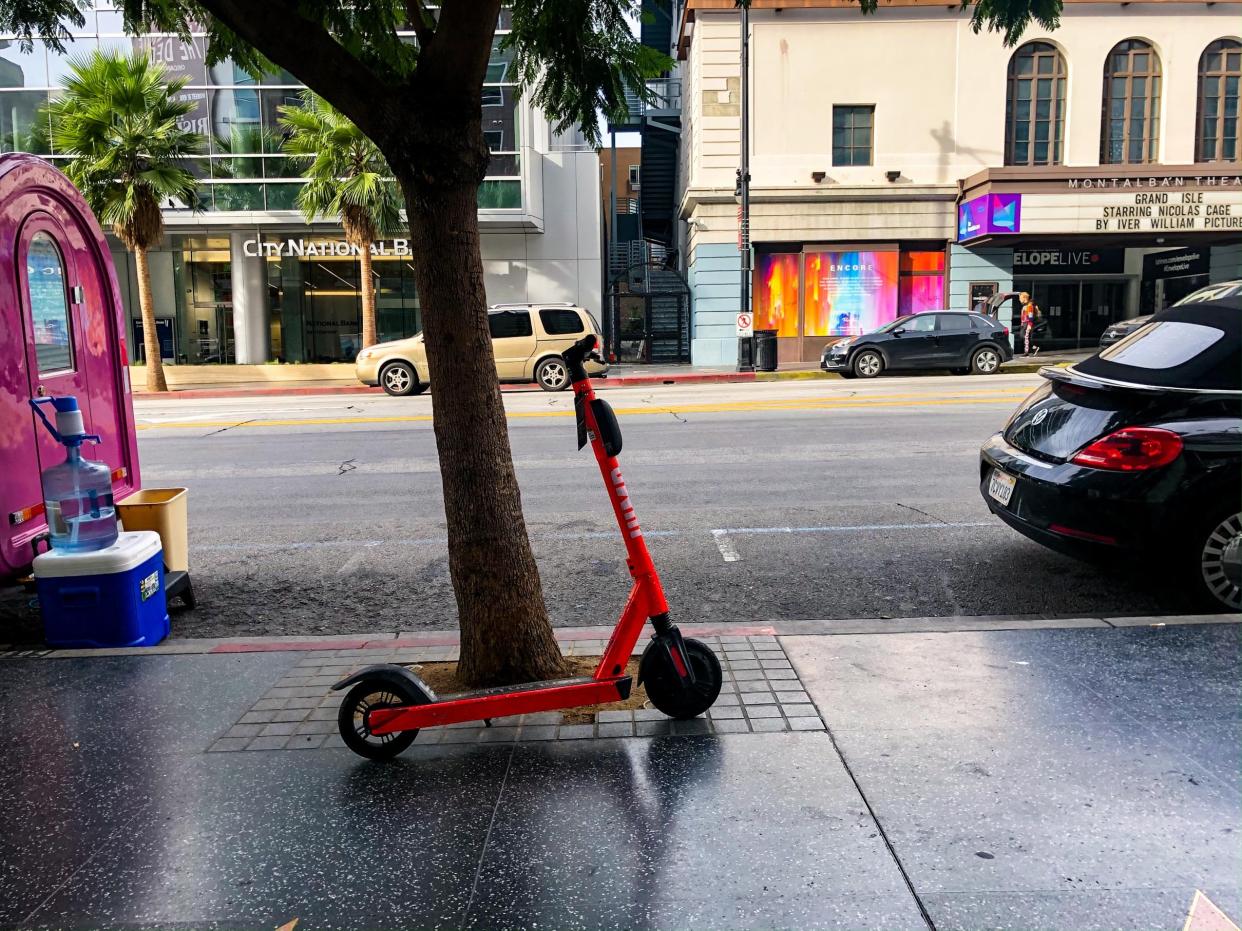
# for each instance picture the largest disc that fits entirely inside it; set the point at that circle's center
(1030, 321)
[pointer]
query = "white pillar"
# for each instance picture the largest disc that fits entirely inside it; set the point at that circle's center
(252, 330)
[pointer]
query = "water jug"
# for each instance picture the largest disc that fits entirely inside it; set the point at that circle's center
(77, 494)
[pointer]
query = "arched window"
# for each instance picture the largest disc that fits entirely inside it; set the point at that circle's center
(1220, 69)
(1131, 124)
(1035, 106)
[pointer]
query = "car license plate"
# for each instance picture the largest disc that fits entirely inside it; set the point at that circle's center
(1001, 486)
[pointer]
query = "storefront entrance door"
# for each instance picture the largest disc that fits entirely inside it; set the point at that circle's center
(1077, 311)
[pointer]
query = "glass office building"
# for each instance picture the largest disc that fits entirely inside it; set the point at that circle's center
(243, 277)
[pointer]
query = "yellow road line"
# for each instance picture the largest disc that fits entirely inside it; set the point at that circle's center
(719, 408)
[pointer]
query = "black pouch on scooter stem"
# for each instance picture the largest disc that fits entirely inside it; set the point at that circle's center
(609, 428)
(605, 420)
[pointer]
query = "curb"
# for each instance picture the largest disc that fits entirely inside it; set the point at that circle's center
(622, 381)
(700, 378)
(388, 640)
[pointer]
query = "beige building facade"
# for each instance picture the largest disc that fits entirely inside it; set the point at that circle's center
(902, 162)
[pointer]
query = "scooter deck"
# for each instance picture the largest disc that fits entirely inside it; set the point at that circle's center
(499, 702)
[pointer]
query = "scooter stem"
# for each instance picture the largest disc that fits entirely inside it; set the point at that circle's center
(646, 600)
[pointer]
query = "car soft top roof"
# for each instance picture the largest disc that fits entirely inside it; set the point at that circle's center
(1182, 355)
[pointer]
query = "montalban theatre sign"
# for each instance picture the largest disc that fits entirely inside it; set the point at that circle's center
(321, 248)
(1155, 204)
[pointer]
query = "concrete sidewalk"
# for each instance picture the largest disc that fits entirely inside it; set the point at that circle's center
(226, 381)
(1078, 778)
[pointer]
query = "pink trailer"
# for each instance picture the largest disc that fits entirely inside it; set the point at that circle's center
(62, 331)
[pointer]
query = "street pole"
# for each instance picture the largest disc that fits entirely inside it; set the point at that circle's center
(745, 345)
(612, 226)
(610, 311)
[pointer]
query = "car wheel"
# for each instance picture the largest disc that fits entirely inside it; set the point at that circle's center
(400, 379)
(552, 374)
(868, 364)
(985, 361)
(1216, 560)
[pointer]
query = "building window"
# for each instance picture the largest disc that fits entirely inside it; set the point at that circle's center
(634, 175)
(1035, 106)
(1220, 69)
(49, 307)
(244, 168)
(1131, 119)
(851, 135)
(921, 285)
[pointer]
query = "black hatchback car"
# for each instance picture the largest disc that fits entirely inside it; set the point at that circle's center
(965, 343)
(1136, 452)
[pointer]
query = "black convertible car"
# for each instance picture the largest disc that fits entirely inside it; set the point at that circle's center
(1137, 451)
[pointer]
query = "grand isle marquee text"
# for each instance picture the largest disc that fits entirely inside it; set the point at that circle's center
(1170, 211)
(314, 248)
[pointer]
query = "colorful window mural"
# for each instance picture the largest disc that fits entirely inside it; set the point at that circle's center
(922, 283)
(776, 292)
(848, 293)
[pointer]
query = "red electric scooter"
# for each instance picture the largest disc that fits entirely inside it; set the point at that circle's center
(388, 704)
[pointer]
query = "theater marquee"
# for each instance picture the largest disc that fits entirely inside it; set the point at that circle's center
(1065, 201)
(1140, 212)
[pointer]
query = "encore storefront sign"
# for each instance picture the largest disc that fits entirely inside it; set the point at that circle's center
(319, 248)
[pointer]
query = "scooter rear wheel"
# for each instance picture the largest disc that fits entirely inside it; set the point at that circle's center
(664, 686)
(352, 718)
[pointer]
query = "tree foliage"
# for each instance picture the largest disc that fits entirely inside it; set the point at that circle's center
(578, 59)
(348, 176)
(118, 118)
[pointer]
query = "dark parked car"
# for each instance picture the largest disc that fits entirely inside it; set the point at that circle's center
(1121, 329)
(941, 339)
(1136, 453)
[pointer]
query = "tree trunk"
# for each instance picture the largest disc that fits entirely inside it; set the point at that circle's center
(368, 298)
(150, 337)
(505, 633)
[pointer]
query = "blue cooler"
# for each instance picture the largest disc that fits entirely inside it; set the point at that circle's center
(113, 597)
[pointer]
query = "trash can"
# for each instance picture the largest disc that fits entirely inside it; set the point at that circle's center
(163, 510)
(765, 350)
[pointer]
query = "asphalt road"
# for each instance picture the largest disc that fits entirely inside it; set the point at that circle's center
(782, 501)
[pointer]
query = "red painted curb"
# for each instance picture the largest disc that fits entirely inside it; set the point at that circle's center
(255, 392)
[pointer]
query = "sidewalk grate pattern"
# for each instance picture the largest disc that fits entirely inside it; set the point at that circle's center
(761, 694)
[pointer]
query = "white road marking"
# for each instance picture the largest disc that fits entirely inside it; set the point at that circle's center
(586, 535)
(860, 527)
(725, 545)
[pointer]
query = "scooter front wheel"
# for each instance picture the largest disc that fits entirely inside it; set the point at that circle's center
(664, 685)
(364, 697)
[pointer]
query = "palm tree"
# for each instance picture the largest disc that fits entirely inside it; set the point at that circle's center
(120, 120)
(349, 178)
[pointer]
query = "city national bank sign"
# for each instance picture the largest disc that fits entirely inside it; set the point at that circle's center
(1152, 205)
(322, 248)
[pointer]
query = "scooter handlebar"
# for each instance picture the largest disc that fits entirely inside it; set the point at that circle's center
(575, 357)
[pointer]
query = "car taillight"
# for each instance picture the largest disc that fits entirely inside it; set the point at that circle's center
(1133, 449)
(1006, 329)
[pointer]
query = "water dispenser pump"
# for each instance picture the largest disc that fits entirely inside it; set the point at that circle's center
(77, 493)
